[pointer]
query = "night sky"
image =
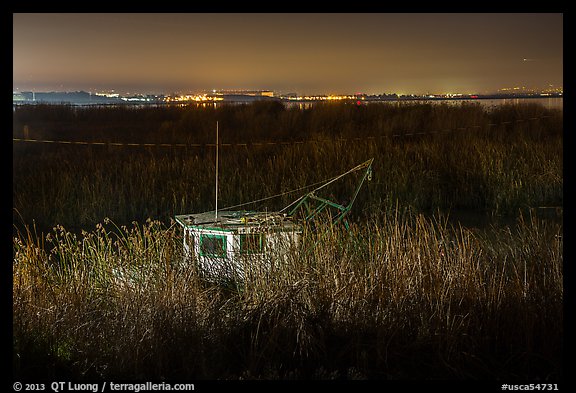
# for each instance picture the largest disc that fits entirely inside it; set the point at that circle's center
(316, 53)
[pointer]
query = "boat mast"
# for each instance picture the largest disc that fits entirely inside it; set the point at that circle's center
(216, 210)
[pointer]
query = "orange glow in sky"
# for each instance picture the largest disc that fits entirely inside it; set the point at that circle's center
(332, 53)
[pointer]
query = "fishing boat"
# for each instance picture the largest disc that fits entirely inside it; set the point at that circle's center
(231, 244)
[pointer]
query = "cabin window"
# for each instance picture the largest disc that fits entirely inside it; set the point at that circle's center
(251, 243)
(213, 246)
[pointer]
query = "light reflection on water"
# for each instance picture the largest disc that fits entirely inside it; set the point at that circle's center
(491, 103)
(488, 103)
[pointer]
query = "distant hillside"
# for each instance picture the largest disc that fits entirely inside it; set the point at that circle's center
(76, 97)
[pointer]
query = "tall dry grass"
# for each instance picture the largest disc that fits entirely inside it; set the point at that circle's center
(506, 163)
(399, 297)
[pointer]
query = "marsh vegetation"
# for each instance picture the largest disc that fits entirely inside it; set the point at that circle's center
(405, 293)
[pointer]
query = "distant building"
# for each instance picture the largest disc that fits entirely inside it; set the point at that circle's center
(17, 97)
(254, 93)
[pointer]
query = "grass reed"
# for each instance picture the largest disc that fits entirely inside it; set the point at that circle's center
(404, 294)
(498, 168)
(402, 297)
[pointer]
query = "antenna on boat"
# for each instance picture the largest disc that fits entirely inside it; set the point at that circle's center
(216, 210)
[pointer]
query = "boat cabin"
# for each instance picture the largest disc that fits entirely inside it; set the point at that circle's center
(234, 244)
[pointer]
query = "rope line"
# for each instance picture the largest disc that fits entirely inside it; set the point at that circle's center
(277, 195)
(321, 184)
(199, 145)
